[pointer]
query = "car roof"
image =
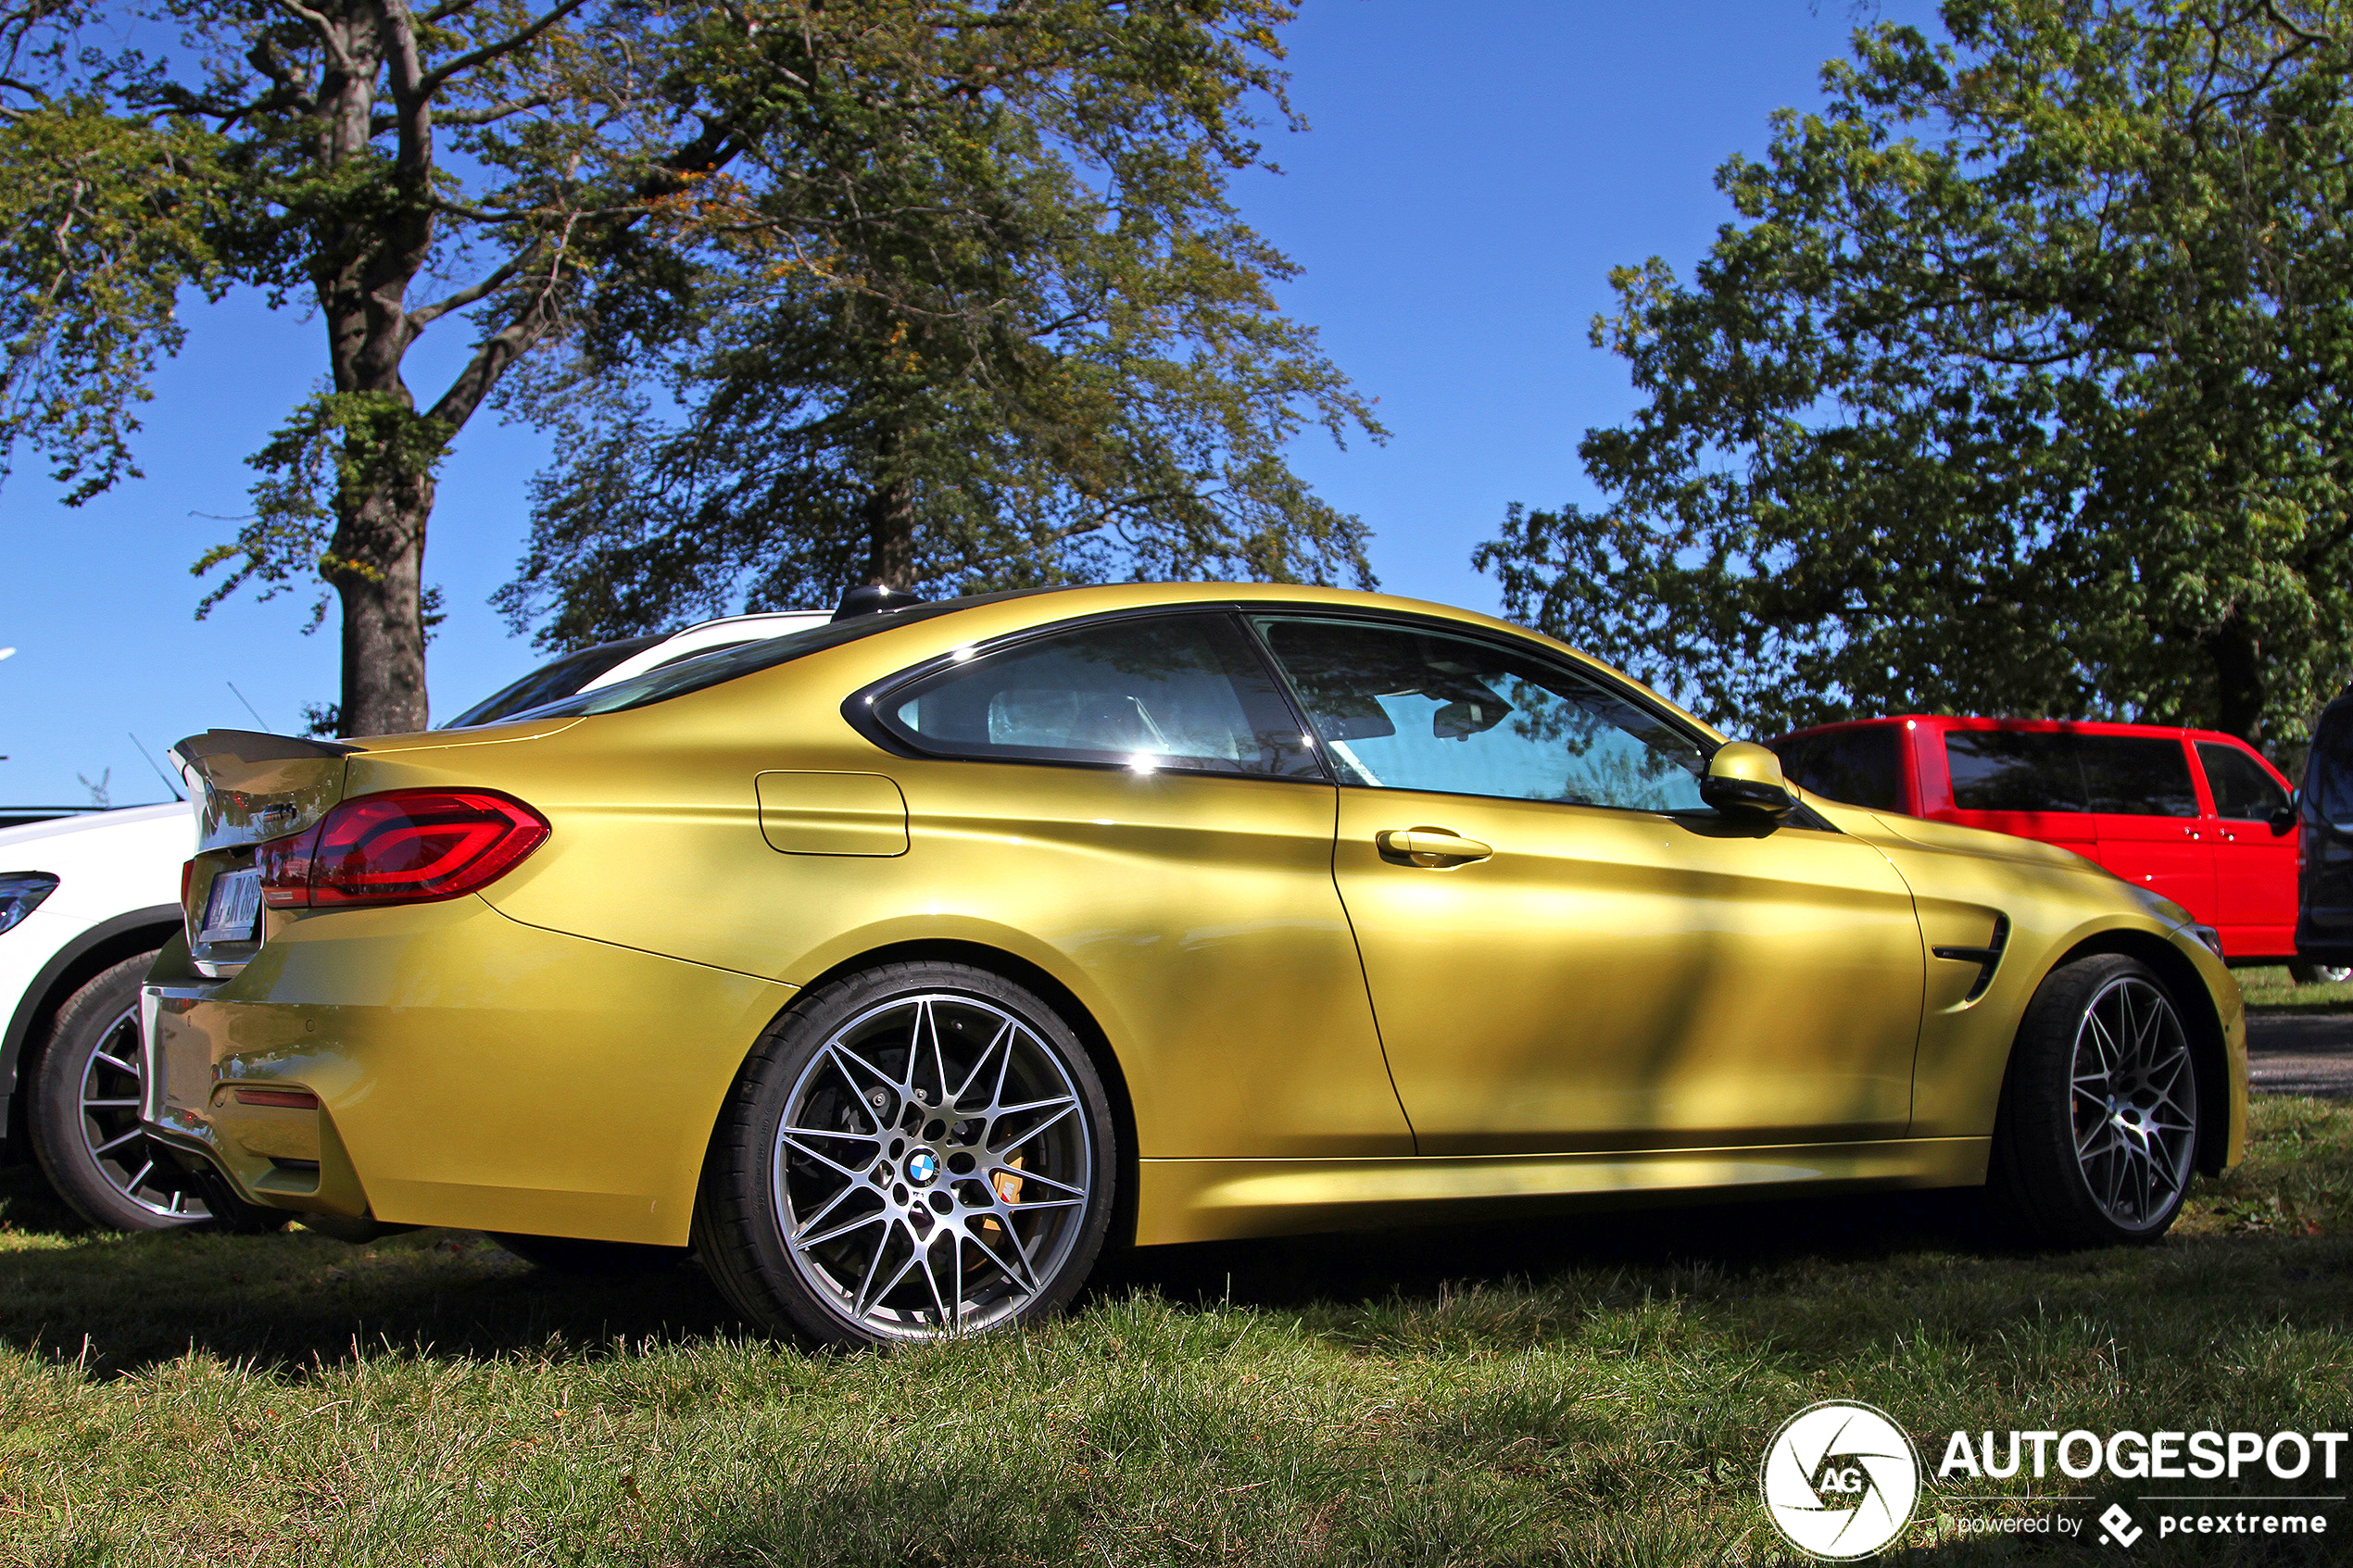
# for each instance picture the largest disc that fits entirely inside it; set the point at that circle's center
(1978, 721)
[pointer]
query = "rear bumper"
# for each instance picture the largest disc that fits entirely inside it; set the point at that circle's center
(468, 1069)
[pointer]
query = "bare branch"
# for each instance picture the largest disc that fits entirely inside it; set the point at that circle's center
(324, 30)
(472, 58)
(498, 278)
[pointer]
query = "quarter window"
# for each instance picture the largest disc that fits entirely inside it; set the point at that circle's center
(1403, 709)
(2243, 791)
(1180, 692)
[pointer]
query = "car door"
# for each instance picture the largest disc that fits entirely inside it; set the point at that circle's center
(1566, 948)
(2145, 811)
(2254, 869)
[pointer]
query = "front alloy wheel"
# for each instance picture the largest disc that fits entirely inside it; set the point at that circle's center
(919, 1151)
(2098, 1128)
(2134, 1102)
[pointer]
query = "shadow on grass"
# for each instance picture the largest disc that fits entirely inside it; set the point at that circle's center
(124, 1303)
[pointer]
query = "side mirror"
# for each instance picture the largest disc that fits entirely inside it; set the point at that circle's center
(1745, 777)
(2284, 820)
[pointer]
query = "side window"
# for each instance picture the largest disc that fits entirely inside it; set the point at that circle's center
(2015, 770)
(2328, 777)
(1185, 692)
(1861, 767)
(1400, 708)
(2243, 791)
(2138, 776)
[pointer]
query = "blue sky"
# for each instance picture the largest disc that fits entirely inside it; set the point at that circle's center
(1473, 170)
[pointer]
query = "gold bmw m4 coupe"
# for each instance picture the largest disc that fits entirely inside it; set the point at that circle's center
(899, 966)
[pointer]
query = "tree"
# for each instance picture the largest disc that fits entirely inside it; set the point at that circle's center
(2018, 388)
(1037, 348)
(584, 171)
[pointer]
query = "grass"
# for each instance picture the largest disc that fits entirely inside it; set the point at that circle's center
(1553, 1391)
(2270, 990)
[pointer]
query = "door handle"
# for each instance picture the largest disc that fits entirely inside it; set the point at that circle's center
(1433, 848)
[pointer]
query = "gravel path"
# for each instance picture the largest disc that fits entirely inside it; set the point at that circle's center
(2301, 1054)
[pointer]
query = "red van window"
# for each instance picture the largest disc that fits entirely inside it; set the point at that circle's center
(2243, 791)
(1860, 767)
(2015, 770)
(2138, 776)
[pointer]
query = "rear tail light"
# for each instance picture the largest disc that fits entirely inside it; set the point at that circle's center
(404, 846)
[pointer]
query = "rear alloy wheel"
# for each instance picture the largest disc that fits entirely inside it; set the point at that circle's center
(2319, 974)
(2099, 1121)
(85, 1114)
(918, 1151)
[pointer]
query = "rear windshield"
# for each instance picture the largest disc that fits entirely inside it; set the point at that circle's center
(707, 669)
(1861, 767)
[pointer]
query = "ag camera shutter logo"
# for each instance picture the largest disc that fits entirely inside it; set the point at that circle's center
(1839, 1480)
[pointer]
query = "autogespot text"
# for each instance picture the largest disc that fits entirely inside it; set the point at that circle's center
(2143, 1456)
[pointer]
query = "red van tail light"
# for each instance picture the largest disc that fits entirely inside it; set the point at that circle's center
(403, 846)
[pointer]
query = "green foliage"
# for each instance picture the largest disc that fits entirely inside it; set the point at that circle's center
(957, 279)
(1006, 330)
(108, 224)
(2017, 388)
(338, 445)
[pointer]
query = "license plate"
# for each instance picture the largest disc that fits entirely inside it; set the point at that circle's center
(231, 911)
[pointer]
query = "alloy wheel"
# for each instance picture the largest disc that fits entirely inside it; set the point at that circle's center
(123, 1156)
(933, 1167)
(2134, 1102)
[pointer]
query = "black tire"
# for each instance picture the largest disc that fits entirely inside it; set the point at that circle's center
(2318, 973)
(97, 1159)
(2099, 1121)
(894, 1154)
(569, 1255)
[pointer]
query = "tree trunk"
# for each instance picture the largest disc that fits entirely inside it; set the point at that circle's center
(378, 570)
(2238, 679)
(890, 535)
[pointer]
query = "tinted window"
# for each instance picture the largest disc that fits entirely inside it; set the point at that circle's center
(1860, 767)
(1402, 708)
(556, 678)
(2138, 775)
(2014, 770)
(1181, 692)
(709, 668)
(2328, 776)
(2242, 789)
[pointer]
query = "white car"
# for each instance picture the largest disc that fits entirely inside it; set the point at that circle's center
(86, 900)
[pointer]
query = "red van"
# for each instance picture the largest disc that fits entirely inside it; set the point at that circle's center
(2187, 812)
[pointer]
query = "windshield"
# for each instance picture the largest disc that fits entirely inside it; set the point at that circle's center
(706, 669)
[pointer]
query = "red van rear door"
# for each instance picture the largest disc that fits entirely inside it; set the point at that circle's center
(2253, 873)
(2022, 781)
(2145, 809)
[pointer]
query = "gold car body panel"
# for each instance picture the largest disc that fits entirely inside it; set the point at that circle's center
(1181, 1201)
(551, 1056)
(470, 1071)
(1619, 979)
(2051, 903)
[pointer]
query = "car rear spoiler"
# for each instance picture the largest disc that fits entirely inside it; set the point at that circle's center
(257, 786)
